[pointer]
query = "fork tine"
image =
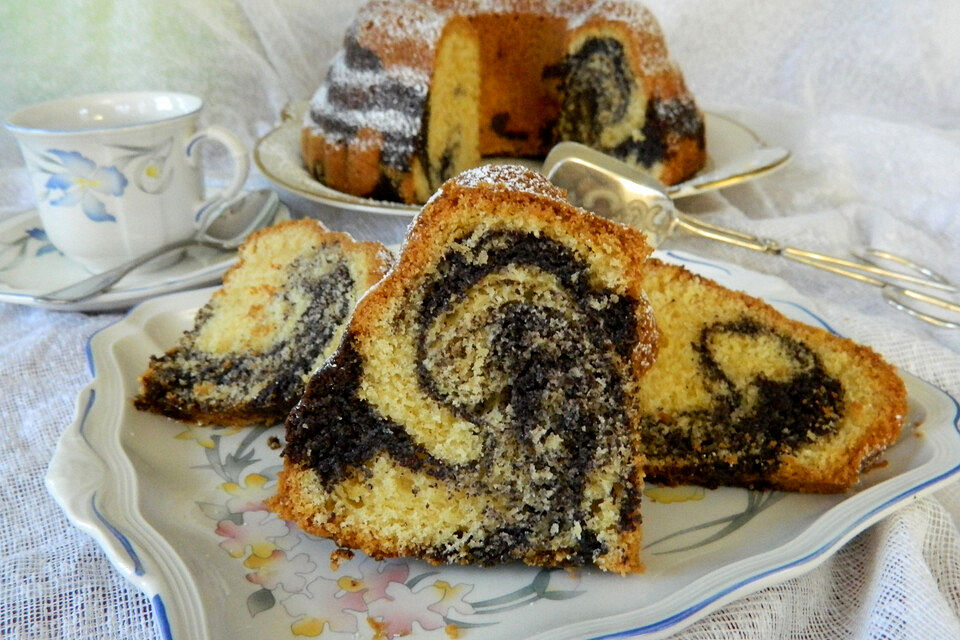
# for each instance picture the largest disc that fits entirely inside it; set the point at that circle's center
(871, 255)
(868, 267)
(896, 296)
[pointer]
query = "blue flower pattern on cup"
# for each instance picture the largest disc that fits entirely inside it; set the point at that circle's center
(40, 235)
(13, 254)
(80, 183)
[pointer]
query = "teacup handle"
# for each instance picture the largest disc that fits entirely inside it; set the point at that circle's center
(241, 168)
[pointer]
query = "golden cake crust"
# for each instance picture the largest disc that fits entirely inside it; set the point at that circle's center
(873, 422)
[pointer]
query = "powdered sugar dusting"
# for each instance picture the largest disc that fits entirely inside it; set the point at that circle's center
(388, 121)
(398, 20)
(634, 14)
(397, 41)
(340, 73)
(510, 177)
(385, 257)
(575, 12)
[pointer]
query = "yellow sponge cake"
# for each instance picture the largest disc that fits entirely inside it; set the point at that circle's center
(280, 313)
(480, 408)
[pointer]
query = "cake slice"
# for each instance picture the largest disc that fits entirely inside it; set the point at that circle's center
(741, 395)
(280, 313)
(481, 407)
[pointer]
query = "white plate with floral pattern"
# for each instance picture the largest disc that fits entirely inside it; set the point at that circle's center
(735, 154)
(179, 511)
(30, 266)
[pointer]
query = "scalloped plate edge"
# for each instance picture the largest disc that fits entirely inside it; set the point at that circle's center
(132, 545)
(91, 441)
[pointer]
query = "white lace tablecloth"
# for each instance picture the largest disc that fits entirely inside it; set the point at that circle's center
(865, 93)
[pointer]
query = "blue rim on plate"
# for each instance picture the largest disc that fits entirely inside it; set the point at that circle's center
(128, 536)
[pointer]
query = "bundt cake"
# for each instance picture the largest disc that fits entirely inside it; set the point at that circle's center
(423, 89)
(280, 313)
(741, 395)
(481, 407)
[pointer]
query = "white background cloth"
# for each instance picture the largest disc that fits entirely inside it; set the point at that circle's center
(865, 93)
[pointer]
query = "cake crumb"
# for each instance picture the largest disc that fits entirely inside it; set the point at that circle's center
(878, 464)
(273, 442)
(379, 629)
(338, 557)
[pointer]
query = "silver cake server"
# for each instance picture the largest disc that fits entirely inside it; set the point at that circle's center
(761, 161)
(615, 190)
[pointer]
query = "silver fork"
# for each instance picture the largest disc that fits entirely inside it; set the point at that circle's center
(615, 190)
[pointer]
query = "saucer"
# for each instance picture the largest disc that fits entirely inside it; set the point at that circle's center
(30, 266)
(735, 154)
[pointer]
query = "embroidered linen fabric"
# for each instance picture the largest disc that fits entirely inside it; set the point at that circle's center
(866, 94)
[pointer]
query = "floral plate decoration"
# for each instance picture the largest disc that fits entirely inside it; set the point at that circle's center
(179, 511)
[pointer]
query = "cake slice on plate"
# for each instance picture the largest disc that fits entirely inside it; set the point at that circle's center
(481, 407)
(741, 395)
(279, 314)
(501, 393)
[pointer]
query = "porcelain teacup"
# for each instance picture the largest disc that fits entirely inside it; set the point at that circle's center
(117, 175)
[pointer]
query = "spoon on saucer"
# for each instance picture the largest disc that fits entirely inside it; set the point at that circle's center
(225, 231)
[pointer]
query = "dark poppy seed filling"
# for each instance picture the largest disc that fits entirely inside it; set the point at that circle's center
(748, 426)
(598, 90)
(678, 117)
(512, 337)
(333, 431)
(359, 57)
(270, 381)
(612, 315)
